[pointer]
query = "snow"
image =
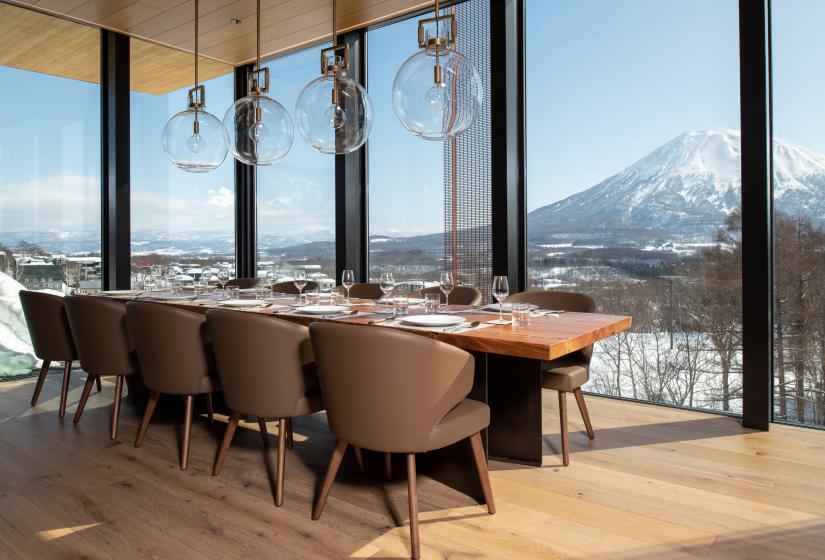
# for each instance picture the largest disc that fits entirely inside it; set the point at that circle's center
(16, 353)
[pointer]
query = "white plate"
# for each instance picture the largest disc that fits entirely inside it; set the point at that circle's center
(247, 290)
(433, 320)
(411, 301)
(321, 309)
(505, 307)
(240, 303)
(121, 292)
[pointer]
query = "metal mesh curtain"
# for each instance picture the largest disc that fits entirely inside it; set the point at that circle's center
(467, 178)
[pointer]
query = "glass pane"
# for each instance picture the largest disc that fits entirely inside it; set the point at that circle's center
(178, 218)
(296, 196)
(633, 186)
(49, 183)
(799, 211)
(406, 175)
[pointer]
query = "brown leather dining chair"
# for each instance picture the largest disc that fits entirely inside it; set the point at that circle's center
(243, 283)
(267, 370)
(397, 392)
(175, 359)
(51, 338)
(461, 295)
(289, 287)
(104, 346)
(366, 290)
(569, 373)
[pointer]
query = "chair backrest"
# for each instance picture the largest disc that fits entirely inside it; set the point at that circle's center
(366, 290)
(266, 365)
(568, 301)
(289, 287)
(461, 295)
(101, 335)
(243, 283)
(172, 348)
(385, 390)
(48, 326)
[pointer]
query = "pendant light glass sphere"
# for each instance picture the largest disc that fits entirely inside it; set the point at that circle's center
(334, 128)
(257, 130)
(195, 148)
(437, 109)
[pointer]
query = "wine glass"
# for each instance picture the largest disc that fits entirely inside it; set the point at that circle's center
(348, 281)
(447, 283)
(300, 282)
(387, 286)
(149, 281)
(500, 291)
(223, 277)
(206, 276)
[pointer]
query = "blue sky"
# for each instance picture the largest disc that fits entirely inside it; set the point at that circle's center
(608, 81)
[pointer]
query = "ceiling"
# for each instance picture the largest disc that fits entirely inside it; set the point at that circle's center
(285, 24)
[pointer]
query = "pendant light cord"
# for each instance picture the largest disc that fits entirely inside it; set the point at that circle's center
(437, 34)
(334, 23)
(196, 63)
(258, 38)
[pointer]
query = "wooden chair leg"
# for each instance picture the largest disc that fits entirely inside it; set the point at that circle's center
(189, 402)
(358, 457)
(332, 470)
(412, 490)
(565, 444)
(388, 465)
(116, 407)
(290, 441)
(279, 476)
(226, 442)
(209, 410)
(264, 431)
(99, 385)
(583, 409)
(87, 388)
(40, 379)
(481, 467)
(64, 390)
(147, 416)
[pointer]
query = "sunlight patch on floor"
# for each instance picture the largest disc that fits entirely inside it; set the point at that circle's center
(54, 534)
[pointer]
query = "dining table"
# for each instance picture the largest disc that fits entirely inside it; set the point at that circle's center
(509, 359)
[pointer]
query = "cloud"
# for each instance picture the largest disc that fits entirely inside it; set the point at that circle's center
(224, 199)
(61, 202)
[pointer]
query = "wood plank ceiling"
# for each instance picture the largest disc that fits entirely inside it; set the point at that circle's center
(285, 24)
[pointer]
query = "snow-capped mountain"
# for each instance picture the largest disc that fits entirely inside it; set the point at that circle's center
(686, 186)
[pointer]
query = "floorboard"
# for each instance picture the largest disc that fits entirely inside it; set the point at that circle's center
(655, 483)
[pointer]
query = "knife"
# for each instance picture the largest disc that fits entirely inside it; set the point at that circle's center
(460, 328)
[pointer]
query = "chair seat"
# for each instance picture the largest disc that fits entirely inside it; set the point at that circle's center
(466, 419)
(564, 374)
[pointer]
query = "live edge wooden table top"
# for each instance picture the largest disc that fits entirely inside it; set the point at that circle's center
(508, 376)
(547, 338)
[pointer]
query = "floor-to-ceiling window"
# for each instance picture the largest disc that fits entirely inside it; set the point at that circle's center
(296, 196)
(799, 211)
(406, 174)
(633, 186)
(178, 218)
(49, 172)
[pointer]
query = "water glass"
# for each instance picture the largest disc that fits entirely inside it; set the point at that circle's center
(336, 296)
(313, 296)
(262, 290)
(175, 284)
(400, 305)
(200, 287)
(431, 303)
(520, 314)
(232, 292)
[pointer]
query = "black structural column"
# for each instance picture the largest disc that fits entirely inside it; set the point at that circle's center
(114, 159)
(757, 285)
(246, 232)
(351, 244)
(507, 141)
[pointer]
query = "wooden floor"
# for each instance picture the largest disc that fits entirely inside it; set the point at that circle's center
(656, 483)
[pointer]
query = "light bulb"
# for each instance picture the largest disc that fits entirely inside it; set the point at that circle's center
(259, 133)
(437, 97)
(196, 143)
(335, 116)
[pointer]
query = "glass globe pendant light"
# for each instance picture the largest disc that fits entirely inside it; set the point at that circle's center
(256, 128)
(193, 139)
(333, 111)
(437, 92)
